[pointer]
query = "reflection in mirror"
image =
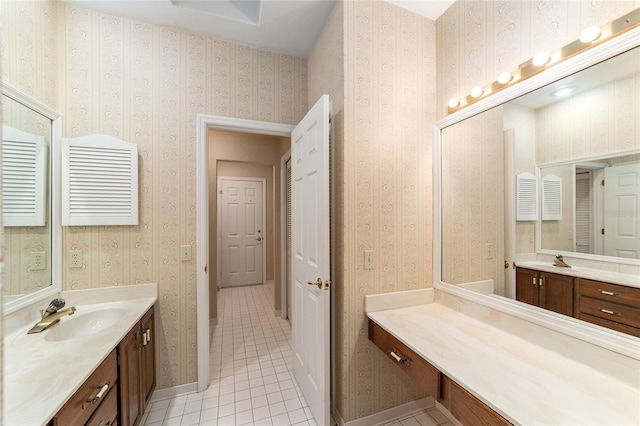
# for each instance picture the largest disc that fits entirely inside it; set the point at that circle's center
(577, 137)
(599, 207)
(26, 198)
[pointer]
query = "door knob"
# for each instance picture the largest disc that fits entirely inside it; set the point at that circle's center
(318, 283)
(506, 264)
(259, 239)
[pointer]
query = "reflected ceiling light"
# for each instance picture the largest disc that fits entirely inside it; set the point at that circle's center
(540, 58)
(477, 91)
(504, 77)
(454, 103)
(590, 34)
(565, 91)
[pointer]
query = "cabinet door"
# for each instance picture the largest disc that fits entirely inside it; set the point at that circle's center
(147, 359)
(129, 369)
(556, 293)
(527, 286)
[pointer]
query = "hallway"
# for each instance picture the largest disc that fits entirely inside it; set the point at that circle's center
(250, 370)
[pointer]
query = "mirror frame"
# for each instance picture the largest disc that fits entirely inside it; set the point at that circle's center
(610, 339)
(56, 229)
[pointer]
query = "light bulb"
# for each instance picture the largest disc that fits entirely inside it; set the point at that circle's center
(454, 103)
(477, 91)
(565, 91)
(590, 34)
(540, 58)
(504, 77)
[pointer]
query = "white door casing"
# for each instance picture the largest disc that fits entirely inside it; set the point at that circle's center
(621, 207)
(241, 210)
(311, 258)
(509, 214)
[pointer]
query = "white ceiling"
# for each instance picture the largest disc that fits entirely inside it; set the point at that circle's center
(284, 26)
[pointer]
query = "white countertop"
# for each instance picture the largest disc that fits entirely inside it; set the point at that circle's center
(524, 382)
(628, 280)
(40, 375)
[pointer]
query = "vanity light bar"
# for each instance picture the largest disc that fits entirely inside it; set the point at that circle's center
(589, 37)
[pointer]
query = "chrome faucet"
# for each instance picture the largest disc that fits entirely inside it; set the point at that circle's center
(51, 315)
(559, 261)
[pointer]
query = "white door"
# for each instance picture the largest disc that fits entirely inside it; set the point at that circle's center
(310, 258)
(621, 207)
(241, 232)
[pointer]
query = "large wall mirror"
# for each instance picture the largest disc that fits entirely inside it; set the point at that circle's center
(32, 255)
(520, 177)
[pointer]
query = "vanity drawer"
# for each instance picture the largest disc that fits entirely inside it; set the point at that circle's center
(107, 412)
(77, 410)
(610, 311)
(420, 370)
(629, 296)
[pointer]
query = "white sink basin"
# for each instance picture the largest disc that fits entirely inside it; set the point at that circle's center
(83, 324)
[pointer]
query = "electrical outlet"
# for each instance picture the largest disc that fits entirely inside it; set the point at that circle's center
(368, 259)
(75, 258)
(185, 252)
(38, 261)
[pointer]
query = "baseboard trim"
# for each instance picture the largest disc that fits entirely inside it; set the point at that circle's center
(160, 394)
(278, 312)
(388, 415)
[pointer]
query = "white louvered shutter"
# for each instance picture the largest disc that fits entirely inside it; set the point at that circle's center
(551, 198)
(24, 178)
(527, 197)
(99, 181)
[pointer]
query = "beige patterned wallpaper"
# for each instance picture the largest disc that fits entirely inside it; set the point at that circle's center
(473, 200)
(382, 184)
(146, 83)
(596, 122)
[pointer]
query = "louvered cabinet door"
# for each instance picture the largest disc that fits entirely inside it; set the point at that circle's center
(99, 181)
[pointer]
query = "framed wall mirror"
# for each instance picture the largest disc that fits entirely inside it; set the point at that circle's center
(31, 133)
(564, 129)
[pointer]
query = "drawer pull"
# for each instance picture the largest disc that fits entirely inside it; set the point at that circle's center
(609, 293)
(607, 311)
(396, 355)
(96, 395)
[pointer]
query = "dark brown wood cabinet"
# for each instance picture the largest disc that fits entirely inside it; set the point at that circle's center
(609, 305)
(465, 407)
(550, 291)
(91, 395)
(424, 373)
(136, 370)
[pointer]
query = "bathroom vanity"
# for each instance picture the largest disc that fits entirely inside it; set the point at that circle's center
(607, 299)
(488, 367)
(95, 367)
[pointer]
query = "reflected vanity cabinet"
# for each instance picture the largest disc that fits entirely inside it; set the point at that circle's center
(546, 290)
(609, 305)
(136, 364)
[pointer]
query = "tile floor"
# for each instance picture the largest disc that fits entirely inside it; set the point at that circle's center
(250, 371)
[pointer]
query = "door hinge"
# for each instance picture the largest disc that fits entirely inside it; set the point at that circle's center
(602, 182)
(602, 231)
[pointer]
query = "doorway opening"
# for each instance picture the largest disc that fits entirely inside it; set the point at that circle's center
(206, 205)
